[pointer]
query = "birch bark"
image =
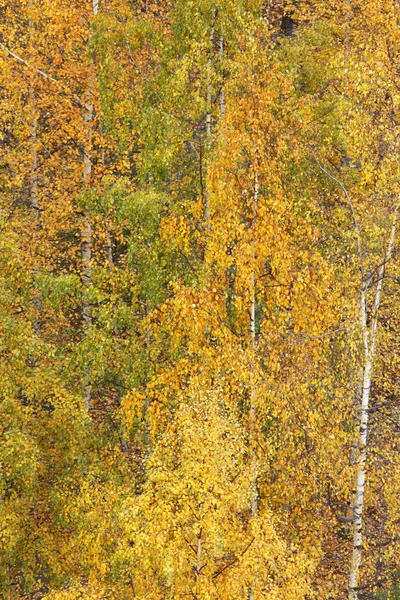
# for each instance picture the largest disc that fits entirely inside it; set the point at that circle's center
(33, 183)
(36, 211)
(86, 230)
(254, 502)
(209, 65)
(208, 116)
(252, 412)
(369, 333)
(222, 93)
(107, 223)
(199, 548)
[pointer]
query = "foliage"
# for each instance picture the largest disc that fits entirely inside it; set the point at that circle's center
(191, 203)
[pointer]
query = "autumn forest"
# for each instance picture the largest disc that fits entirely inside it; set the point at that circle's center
(199, 300)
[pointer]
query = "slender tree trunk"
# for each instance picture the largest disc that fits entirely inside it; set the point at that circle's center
(209, 66)
(199, 549)
(222, 93)
(254, 502)
(347, 32)
(209, 116)
(110, 256)
(34, 175)
(86, 230)
(86, 233)
(369, 346)
(109, 244)
(252, 411)
(33, 183)
(86, 243)
(36, 211)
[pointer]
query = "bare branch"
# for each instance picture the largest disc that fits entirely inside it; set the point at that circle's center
(39, 71)
(350, 203)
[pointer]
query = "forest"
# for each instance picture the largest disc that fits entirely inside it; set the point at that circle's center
(199, 300)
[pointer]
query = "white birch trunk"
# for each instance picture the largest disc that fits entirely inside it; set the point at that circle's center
(209, 65)
(198, 555)
(208, 116)
(222, 93)
(347, 32)
(86, 230)
(33, 183)
(254, 502)
(36, 211)
(110, 256)
(369, 343)
(252, 415)
(34, 176)
(86, 240)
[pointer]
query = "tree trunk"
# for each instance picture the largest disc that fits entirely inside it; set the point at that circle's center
(36, 212)
(198, 555)
(110, 256)
(252, 411)
(86, 230)
(209, 65)
(254, 502)
(222, 93)
(208, 116)
(109, 244)
(369, 342)
(33, 180)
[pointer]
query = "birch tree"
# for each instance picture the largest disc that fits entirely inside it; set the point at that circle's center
(216, 193)
(369, 328)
